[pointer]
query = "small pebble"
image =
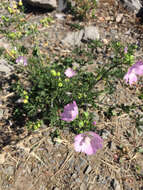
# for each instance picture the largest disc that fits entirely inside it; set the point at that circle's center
(119, 17)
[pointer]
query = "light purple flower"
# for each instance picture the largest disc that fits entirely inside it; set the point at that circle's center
(70, 72)
(126, 50)
(88, 142)
(22, 60)
(134, 71)
(70, 112)
(94, 123)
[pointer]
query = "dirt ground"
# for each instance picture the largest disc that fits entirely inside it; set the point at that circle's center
(31, 161)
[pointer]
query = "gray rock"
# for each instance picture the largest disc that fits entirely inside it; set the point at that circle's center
(46, 4)
(71, 162)
(60, 16)
(77, 168)
(9, 170)
(76, 38)
(134, 5)
(82, 162)
(45, 133)
(73, 38)
(5, 68)
(74, 175)
(78, 180)
(34, 140)
(119, 17)
(62, 5)
(91, 33)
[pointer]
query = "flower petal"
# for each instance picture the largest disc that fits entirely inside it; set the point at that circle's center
(88, 142)
(70, 73)
(70, 112)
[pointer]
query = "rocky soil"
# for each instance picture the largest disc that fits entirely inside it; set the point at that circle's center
(30, 160)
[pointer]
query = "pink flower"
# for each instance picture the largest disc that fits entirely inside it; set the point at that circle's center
(70, 112)
(21, 60)
(126, 50)
(134, 71)
(94, 123)
(88, 142)
(70, 73)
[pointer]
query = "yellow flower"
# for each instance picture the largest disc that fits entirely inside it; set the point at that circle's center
(13, 52)
(10, 10)
(53, 72)
(26, 97)
(79, 96)
(38, 125)
(20, 3)
(19, 34)
(60, 84)
(25, 101)
(15, 6)
(25, 92)
(58, 74)
(35, 127)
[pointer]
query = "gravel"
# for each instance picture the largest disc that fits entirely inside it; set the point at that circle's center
(50, 166)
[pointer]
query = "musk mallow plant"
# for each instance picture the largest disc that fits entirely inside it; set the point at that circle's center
(88, 142)
(135, 71)
(55, 95)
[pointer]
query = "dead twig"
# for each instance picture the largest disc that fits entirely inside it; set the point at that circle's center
(6, 96)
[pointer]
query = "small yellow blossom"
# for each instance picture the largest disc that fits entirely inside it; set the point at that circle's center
(60, 84)
(13, 52)
(79, 96)
(20, 3)
(10, 10)
(19, 34)
(58, 74)
(26, 97)
(53, 72)
(14, 6)
(35, 127)
(25, 92)
(38, 125)
(25, 101)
